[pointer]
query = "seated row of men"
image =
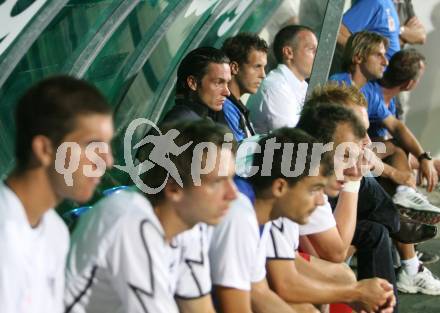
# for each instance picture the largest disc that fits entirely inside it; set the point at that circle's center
(206, 229)
(131, 253)
(279, 101)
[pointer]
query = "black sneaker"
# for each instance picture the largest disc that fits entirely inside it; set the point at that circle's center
(412, 231)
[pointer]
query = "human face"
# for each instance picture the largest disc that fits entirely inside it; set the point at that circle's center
(362, 114)
(213, 88)
(304, 54)
(375, 63)
(251, 74)
(94, 128)
(343, 134)
(300, 200)
(209, 202)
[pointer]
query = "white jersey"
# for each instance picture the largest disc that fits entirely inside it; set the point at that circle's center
(32, 260)
(238, 247)
(190, 265)
(322, 219)
(284, 233)
(283, 240)
(119, 260)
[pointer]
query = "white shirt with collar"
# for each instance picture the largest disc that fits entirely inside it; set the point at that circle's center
(278, 102)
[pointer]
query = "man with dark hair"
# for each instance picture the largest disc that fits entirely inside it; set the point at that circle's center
(56, 120)
(238, 250)
(299, 281)
(248, 55)
(202, 85)
(279, 100)
(403, 74)
(123, 252)
(238, 246)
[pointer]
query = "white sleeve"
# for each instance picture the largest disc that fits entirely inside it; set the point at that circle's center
(11, 293)
(279, 247)
(280, 108)
(139, 260)
(59, 287)
(194, 277)
(322, 219)
(234, 246)
(259, 266)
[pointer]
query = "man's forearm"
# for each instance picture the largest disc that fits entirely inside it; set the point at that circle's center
(264, 300)
(301, 288)
(413, 35)
(345, 215)
(407, 140)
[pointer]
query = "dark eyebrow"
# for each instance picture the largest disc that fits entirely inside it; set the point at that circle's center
(222, 80)
(320, 185)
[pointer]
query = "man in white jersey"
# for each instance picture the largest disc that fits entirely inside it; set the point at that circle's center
(238, 246)
(33, 239)
(318, 281)
(121, 259)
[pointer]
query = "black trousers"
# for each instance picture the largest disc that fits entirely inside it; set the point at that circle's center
(377, 217)
(374, 256)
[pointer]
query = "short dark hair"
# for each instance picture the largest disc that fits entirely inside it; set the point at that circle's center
(361, 44)
(196, 63)
(51, 108)
(286, 136)
(189, 131)
(239, 47)
(404, 66)
(321, 120)
(287, 36)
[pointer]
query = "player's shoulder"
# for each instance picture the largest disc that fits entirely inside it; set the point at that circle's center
(342, 77)
(10, 206)
(56, 224)
(117, 212)
(126, 202)
(241, 216)
(283, 224)
(242, 205)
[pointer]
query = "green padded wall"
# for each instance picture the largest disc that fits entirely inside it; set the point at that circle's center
(129, 49)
